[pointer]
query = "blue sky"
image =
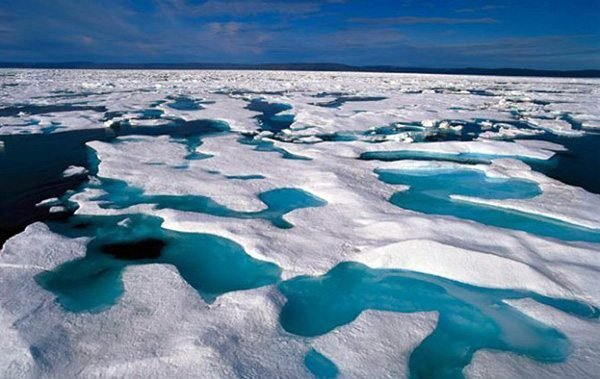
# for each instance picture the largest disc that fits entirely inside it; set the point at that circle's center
(548, 34)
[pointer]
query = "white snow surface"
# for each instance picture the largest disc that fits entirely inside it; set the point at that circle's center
(421, 98)
(162, 328)
(361, 351)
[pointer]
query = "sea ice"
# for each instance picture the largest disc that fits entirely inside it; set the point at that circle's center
(168, 140)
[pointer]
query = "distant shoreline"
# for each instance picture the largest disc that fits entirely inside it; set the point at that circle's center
(591, 73)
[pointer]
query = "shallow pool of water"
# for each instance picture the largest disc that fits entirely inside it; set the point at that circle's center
(271, 118)
(430, 192)
(470, 318)
(279, 202)
(184, 103)
(342, 99)
(212, 265)
(400, 155)
(269, 146)
(320, 366)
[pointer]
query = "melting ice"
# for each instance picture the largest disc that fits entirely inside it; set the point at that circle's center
(277, 224)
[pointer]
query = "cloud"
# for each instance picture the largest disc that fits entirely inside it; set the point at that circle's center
(240, 8)
(542, 50)
(422, 21)
(87, 40)
(254, 31)
(225, 27)
(484, 8)
(515, 45)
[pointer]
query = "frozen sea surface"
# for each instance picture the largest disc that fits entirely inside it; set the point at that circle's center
(298, 224)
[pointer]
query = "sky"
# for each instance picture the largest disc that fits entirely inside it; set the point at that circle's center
(543, 34)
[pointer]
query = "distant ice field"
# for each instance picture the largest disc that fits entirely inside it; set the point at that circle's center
(260, 224)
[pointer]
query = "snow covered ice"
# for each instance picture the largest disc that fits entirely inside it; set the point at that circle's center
(298, 224)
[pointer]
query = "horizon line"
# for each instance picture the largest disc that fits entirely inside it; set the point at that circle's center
(307, 66)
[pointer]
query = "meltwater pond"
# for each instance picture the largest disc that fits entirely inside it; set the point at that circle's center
(415, 155)
(470, 318)
(269, 146)
(570, 166)
(320, 366)
(272, 119)
(342, 99)
(212, 265)
(279, 202)
(430, 191)
(186, 103)
(32, 165)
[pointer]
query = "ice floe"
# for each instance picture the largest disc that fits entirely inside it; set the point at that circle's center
(202, 150)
